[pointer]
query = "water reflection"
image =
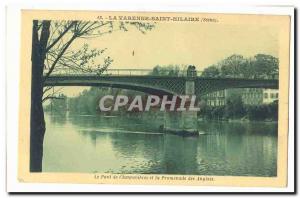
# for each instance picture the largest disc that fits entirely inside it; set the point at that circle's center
(179, 155)
(134, 145)
(58, 119)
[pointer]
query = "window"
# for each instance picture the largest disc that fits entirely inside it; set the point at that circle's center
(276, 95)
(272, 95)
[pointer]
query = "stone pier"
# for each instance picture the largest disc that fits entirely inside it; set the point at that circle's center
(184, 123)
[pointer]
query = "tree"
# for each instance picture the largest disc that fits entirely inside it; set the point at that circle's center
(259, 66)
(234, 106)
(231, 66)
(51, 53)
(169, 70)
(211, 72)
(58, 105)
(265, 65)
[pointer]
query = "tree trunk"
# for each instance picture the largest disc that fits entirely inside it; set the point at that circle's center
(37, 126)
(37, 122)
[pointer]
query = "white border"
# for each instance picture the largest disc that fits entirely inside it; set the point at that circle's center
(12, 93)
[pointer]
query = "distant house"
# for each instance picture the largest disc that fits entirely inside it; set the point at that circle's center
(250, 96)
(270, 95)
(217, 98)
(258, 96)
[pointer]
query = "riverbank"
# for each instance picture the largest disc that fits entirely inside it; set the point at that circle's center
(237, 120)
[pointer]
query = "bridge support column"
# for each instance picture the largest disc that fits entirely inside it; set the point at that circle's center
(189, 121)
(189, 118)
(184, 123)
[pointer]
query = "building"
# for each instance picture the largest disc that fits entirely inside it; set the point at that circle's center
(250, 96)
(217, 98)
(270, 95)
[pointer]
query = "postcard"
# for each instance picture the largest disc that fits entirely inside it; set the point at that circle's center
(154, 98)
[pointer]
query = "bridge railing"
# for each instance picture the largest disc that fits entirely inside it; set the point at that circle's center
(124, 72)
(127, 72)
(149, 72)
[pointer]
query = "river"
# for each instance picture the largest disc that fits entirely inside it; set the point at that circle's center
(99, 144)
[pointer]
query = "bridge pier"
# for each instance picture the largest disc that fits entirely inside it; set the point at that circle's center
(189, 121)
(184, 122)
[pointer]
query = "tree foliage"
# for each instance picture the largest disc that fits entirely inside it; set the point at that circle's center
(234, 106)
(168, 70)
(58, 105)
(236, 66)
(235, 109)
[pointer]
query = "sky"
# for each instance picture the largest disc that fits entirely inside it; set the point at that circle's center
(185, 43)
(200, 44)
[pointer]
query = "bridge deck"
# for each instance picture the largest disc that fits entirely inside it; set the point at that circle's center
(160, 85)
